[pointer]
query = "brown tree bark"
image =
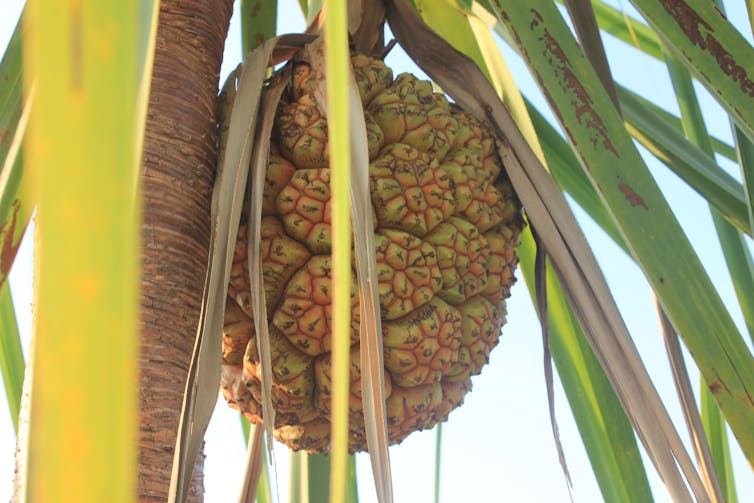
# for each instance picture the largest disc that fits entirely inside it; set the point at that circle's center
(178, 171)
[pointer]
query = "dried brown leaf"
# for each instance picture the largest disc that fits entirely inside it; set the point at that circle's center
(240, 105)
(688, 403)
(367, 34)
(227, 198)
(270, 101)
(254, 460)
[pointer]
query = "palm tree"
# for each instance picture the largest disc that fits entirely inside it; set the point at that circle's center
(87, 83)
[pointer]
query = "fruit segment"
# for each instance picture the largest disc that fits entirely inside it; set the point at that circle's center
(447, 224)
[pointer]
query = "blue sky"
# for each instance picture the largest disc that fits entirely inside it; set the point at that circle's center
(498, 446)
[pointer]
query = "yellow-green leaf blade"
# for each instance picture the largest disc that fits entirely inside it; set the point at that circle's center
(11, 355)
(83, 152)
(337, 63)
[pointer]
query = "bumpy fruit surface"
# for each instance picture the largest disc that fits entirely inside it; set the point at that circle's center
(447, 225)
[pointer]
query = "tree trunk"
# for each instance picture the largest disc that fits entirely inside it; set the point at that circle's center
(178, 171)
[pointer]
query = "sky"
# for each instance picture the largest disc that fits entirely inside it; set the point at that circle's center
(498, 446)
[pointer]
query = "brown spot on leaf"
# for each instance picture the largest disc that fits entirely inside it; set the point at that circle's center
(3, 136)
(715, 387)
(255, 10)
(9, 248)
(570, 83)
(633, 198)
(701, 34)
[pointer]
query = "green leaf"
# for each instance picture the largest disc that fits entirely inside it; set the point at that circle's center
(693, 123)
(11, 100)
(438, 458)
(745, 151)
(258, 23)
(567, 172)
(654, 112)
(645, 39)
(629, 30)
(687, 160)
(584, 22)
(15, 203)
(88, 61)
(604, 428)
(11, 355)
(311, 477)
(711, 48)
(311, 8)
(638, 207)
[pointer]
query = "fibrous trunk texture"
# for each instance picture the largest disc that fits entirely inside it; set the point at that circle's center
(178, 171)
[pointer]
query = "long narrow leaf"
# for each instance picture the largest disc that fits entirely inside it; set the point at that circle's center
(438, 460)
(83, 152)
(745, 151)
(11, 91)
(658, 131)
(629, 30)
(688, 403)
(559, 231)
(711, 48)
(227, 200)
(16, 204)
(258, 23)
(621, 26)
(15, 201)
(638, 207)
(584, 22)
(693, 124)
(264, 492)
(338, 68)
(371, 357)
(255, 465)
(687, 160)
(309, 481)
(664, 117)
(548, 211)
(604, 428)
(567, 173)
(11, 355)
(298, 482)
